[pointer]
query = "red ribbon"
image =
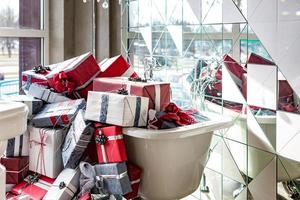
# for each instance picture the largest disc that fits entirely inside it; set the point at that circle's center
(175, 114)
(41, 155)
(62, 83)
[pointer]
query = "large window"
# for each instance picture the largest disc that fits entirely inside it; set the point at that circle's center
(24, 37)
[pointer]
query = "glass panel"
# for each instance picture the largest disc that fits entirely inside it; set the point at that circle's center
(16, 54)
(252, 46)
(20, 14)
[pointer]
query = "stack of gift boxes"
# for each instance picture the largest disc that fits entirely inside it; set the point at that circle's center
(74, 145)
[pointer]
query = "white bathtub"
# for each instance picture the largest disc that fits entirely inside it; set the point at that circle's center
(172, 159)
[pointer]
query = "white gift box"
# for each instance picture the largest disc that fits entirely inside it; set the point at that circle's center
(117, 109)
(64, 186)
(46, 94)
(45, 151)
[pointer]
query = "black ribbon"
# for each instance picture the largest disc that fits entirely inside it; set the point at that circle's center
(137, 79)
(33, 179)
(101, 139)
(122, 91)
(62, 185)
(39, 69)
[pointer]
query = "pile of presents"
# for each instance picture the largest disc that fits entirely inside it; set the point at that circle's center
(74, 147)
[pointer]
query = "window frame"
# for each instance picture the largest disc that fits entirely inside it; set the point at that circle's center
(42, 34)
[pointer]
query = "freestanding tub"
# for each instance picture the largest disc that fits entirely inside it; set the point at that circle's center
(13, 122)
(172, 159)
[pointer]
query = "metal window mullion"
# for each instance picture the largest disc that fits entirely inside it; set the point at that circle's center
(12, 32)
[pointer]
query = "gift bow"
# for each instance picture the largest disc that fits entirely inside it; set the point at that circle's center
(41, 69)
(89, 180)
(62, 83)
(175, 114)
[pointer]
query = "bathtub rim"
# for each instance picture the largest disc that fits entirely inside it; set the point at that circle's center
(12, 109)
(217, 122)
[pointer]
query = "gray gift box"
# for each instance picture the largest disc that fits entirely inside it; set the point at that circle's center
(34, 105)
(58, 114)
(76, 141)
(115, 177)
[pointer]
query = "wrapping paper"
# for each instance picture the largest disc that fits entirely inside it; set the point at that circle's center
(11, 196)
(116, 109)
(16, 168)
(110, 144)
(134, 173)
(159, 93)
(236, 71)
(73, 74)
(256, 59)
(18, 146)
(65, 185)
(115, 177)
(46, 94)
(45, 151)
(34, 186)
(34, 105)
(58, 114)
(76, 141)
(116, 66)
(29, 77)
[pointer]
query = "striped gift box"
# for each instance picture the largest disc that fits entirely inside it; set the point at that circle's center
(117, 109)
(18, 146)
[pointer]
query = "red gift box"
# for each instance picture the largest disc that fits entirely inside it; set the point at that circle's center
(256, 59)
(35, 188)
(244, 85)
(110, 144)
(74, 74)
(235, 69)
(159, 93)
(16, 168)
(10, 196)
(116, 66)
(134, 173)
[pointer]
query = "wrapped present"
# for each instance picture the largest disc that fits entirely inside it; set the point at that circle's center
(34, 186)
(16, 168)
(34, 105)
(45, 151)
(117, 109)
(36, 75)
(173, 116)
(257, 59)
(46, 94)
(236, 70)
(157, 92)
(110, 144)
(18, 146)
(116, 66)
(76, 141)
(73, 74)
(134, 173)
(104, 179)
(64, 186)
(9, 187)
(11, 196)
(115, 177)
(58, 114)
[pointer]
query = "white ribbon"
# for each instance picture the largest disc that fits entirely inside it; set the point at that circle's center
(135, 181)
(16, 172)
(128, 72)
(41, 184)
(109, 138)
(114, 176)
(70, 190)
(157, 97)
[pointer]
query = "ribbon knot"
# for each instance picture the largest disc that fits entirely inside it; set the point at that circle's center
(39, 69)
(137, 79)
(101, 139)
(32, 179)
(62, 185)
(62, 83)
(122, 91)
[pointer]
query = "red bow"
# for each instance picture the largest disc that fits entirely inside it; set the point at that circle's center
(62, 83)
(175, 114)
